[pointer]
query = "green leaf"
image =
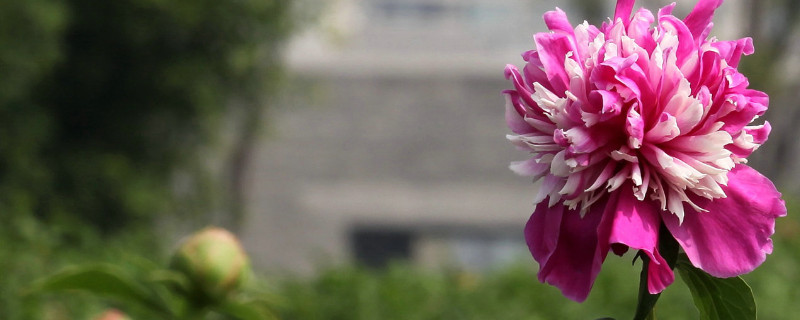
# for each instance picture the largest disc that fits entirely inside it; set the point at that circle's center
(245, 310)
(170, 278)
(102, 280)
(718, 298)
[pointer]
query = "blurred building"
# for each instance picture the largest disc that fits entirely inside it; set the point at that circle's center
(391, 141)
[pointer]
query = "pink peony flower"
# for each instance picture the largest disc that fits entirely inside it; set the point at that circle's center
(640, 122)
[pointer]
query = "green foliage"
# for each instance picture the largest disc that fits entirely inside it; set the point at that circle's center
(139, 87)
(144, 298)
(102, 103)
(403, 292)
(153, 292)
(30, 250)
(104, 280)
(718, 298)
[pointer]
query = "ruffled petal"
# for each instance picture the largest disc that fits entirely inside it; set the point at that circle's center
(732, 51)
(565, 245)
(699, 20)
(733, 237)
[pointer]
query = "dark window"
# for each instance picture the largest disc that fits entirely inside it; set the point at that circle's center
(376, 248)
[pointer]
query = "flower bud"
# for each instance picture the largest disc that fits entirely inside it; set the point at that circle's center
(112, 314)
(214, 262)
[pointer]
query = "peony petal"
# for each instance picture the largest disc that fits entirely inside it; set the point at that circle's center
(514, 112)
(665, 129)
(639, 29)
(553, 49)
(604, 104)
(542, 231)
(699, 20)
(759, 133)
(636, 224)
(534, 70)
(708, 73)
(659, 274)
(530, 167)
(666, 10)
(623, 11)
(745, 108)
(634, 126)
(732, 51)
(565, 245)
(557, 21)
(733, 237)
(512, 73)
(686, 49)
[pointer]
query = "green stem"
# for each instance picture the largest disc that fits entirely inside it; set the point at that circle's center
(644, 309)
(668, 248)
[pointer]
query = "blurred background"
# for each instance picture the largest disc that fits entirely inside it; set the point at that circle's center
(357, 147)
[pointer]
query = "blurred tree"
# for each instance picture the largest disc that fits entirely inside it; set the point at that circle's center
(102, 101)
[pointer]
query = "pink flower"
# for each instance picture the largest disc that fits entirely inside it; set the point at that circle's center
(640, 122)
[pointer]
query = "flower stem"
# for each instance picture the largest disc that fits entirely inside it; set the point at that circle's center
(668, 248)
(644, 309)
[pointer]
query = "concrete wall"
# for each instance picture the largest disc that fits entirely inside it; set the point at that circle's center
(396, 123)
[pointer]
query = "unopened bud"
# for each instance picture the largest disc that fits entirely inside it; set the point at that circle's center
(112, 314)
(214, 262)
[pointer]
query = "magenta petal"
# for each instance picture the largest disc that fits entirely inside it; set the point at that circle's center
(733, 237)
(565, 245)
(636, 224)
(659, 274)
(514, 114)
(666, 10)
(686, 45)
(732, 51)
(639, 29)
(606, 103)
(623, 11)
(557, 21)
(533, 69)
(553, 50)
(759, 133)
(699, 19)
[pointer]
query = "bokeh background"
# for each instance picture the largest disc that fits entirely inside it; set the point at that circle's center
(357, 147)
